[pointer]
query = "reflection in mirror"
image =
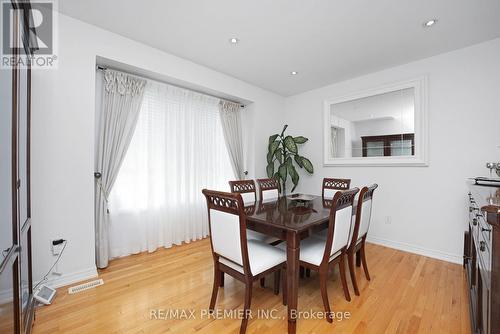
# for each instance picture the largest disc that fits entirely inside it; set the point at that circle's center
(381, 125)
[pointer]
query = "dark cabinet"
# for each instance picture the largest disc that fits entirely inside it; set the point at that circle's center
(16, 283)
(482, 258)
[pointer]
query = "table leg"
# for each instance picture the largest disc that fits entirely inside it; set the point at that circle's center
(292, 270)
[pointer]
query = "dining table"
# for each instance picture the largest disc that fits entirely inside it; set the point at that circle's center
(290, 218)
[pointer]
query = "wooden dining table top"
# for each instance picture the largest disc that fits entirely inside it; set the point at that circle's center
(289, 214)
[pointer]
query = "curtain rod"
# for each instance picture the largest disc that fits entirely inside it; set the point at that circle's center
(102, 68)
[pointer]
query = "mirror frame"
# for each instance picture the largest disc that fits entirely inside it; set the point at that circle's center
(421, 157)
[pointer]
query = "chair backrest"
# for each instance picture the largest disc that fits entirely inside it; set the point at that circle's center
(268, 189)
(227, 226)
(339, 226)
(247, 190)
(363, 213)
(331, 186)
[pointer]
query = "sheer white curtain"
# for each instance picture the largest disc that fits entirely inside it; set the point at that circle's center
(177, 150)
(231, 126)
(121, 104)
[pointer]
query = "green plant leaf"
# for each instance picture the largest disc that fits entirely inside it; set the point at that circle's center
(290, 144)
(307, 165)
(273, 146)
(300, 139)
(289, 161)
(270, 170)
(282, 171)
(279, 155)
(293, 174)
(273, 138)
(271, 149)
(298, 160)
(269, 157)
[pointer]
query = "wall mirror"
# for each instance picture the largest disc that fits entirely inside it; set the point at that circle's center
(383, 126)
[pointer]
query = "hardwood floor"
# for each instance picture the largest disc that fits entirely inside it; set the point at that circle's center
(408, 293)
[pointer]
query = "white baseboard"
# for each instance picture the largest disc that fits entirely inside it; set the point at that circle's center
(435, 254)
(57, 281)
(70, 278)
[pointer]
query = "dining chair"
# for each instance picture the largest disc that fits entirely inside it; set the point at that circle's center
(268, 189)
(358, 236)
(331, 185)
(248, 192)
(247, 260)
(319, 255)
(329, 188)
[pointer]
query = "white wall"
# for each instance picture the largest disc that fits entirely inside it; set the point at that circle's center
(63, 124)
(427, 205)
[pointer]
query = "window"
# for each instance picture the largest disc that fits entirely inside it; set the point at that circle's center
(177, 150)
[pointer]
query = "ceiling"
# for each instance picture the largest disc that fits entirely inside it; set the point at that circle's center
(326, 41)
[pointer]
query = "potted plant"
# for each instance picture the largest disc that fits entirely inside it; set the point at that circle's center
(284, 153)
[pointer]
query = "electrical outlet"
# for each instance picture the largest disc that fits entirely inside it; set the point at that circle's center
(56, 246)
(388, 220)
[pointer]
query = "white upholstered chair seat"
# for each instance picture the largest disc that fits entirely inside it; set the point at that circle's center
(260, 237)
(312, 250)
(261, 257)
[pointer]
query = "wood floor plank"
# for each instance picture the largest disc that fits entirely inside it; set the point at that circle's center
(408, 293)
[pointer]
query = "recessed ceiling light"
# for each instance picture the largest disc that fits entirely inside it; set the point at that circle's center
(234, 40)
(294, 73)
(430, 23)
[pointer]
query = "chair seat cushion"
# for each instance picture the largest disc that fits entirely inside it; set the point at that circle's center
(261, 257)
(312, 250)
(260, 237)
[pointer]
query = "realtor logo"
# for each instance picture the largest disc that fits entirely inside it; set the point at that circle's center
(28, 34)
